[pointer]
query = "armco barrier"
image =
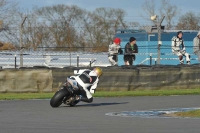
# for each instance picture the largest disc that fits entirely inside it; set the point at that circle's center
(116, 78)
(158, 78)
(124, 78)
(190, 77)
(60, 75)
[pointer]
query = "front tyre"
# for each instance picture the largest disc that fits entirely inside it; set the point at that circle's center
(58, 97)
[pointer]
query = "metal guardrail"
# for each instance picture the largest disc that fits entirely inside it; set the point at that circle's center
(11, 60)
(155, 60)
(77, 62)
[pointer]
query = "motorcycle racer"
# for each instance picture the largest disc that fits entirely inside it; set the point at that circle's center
(86, 81)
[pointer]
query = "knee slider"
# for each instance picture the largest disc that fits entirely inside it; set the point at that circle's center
(90, 100)
(180, 57)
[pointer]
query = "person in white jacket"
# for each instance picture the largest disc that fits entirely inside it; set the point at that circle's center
(113, 51)
(196, 44)
(178, 48)
(86, 80)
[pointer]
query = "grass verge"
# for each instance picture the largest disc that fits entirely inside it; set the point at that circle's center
(192, 114)
(148, 93)
(12, 96)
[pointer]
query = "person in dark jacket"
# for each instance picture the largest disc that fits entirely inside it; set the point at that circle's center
(130, 49)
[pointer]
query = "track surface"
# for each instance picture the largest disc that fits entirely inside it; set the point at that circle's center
(36, 116)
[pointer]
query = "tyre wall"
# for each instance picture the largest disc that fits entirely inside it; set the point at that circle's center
(124, 78)
(26, 80)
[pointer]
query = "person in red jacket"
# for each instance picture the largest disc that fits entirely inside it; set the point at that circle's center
(113, 51)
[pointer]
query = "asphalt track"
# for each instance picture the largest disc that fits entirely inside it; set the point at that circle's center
(36, 116)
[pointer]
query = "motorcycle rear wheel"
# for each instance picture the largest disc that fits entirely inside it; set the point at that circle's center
(58, 97)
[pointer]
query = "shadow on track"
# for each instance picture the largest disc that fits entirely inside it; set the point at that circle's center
(97, 104)
(102, 104)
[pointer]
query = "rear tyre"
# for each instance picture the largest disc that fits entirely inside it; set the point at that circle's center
(58, 97)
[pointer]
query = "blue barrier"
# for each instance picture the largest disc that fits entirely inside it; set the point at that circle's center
(147, 44)
(148, 50)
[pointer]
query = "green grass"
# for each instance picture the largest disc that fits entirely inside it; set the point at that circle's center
(148, 93)
(12, 96)
(193, 113)
(23, 96)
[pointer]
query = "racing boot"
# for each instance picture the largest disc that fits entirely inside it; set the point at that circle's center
(69, 101)
(76, 100)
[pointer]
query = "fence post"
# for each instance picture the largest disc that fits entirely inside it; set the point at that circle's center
(77, 60)
(15, 62)
(150, 59)
(21, 45)
(155, 61)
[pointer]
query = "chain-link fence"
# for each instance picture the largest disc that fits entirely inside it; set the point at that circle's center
(54, 57)
(86, 56)
(92, 52)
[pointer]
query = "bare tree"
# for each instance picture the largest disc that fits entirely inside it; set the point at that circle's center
(189, 21)
(61, 25)
(8, 23)
(60, 22)
(169, 11)
(8, 11)
(149, 9)
(34, 32)
(133, 25)
(166, 9)
(101, 26)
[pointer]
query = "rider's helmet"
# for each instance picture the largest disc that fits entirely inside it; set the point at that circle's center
(98, 71)
(117, 41)
(178, 33)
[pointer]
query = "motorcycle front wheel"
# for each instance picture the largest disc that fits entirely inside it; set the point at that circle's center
(58, 97)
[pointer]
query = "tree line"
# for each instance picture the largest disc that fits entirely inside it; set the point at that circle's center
(63, 26)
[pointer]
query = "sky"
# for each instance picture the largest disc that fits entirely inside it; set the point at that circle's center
(133, 8)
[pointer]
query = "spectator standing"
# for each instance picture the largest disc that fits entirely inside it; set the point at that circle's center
(113, 51)
(196, 45)
(130, 49)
